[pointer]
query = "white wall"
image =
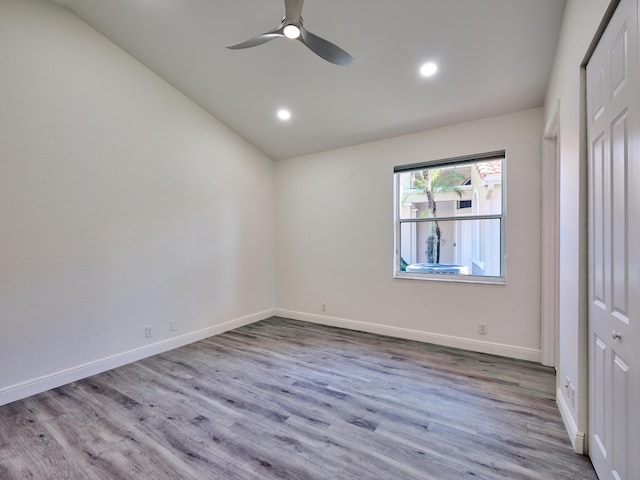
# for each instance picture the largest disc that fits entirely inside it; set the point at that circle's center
(335, 241)
(581, 21)
(122, 205)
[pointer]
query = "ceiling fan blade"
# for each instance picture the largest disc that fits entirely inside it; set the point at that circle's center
(293, 10)
(259, 40)
(325, 49)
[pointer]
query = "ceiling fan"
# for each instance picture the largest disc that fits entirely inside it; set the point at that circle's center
(291, 27)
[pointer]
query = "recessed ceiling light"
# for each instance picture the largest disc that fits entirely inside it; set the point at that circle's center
(284, 114)
(291, 31)
(428, 69)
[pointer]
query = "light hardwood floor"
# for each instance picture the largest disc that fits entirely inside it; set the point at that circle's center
(282, 399)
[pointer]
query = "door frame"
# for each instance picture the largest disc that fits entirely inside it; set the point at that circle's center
(550, 242)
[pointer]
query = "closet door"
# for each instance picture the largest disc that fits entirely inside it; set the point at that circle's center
(614, 249)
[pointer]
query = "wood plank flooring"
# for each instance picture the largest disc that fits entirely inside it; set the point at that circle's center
(282, 399)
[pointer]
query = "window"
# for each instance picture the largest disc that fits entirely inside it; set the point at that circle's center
(449, 219)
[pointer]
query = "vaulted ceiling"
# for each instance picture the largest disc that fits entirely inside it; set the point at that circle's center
(493, 57)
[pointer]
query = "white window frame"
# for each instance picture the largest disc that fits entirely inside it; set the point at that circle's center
(397, 273)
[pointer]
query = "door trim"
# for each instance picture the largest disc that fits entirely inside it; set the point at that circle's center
(550, 257)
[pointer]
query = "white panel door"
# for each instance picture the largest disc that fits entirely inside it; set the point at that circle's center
(614, 249)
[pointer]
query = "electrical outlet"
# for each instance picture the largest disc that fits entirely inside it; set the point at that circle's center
(572, 395)
(570, 391)
(148, 331)
(323, 306)
(482, 328)
(173, 325)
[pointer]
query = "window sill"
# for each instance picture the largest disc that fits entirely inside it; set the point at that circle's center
(451, 278)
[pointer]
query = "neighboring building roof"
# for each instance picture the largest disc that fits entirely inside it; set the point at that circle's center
(493, 167)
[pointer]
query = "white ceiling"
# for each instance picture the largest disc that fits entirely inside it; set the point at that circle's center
(494, 57)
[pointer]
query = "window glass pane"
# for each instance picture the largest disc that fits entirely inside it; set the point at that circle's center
(462, 247)
(472, 188)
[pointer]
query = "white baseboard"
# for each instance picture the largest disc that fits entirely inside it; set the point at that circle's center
(32, 387)
(500, 349)
(575, 435)
(57, 379)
